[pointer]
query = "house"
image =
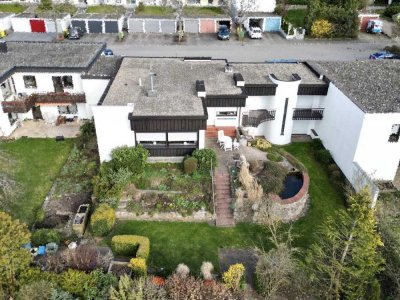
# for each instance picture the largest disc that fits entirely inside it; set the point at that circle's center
(170, 106)
(43, 22)
(48, 80)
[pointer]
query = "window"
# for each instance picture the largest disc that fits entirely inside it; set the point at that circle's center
(394, 136)
(12, 117)
(232, 113)
(182, 138)
(67, 82)
(68, 109)
(30, 82)
(152, 138)
(210, 1)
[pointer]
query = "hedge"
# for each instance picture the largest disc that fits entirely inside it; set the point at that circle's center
(103, 220)
(126, 245)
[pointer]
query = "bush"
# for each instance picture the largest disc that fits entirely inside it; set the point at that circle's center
(324, 156)
(103, 220)
(138, 266)
(321, 29)
(391, 10)
(274, 156)
(206, 270)
(84, 258)
(316, 144)
(99, 285)
(190, 165)
(74, 281)
(394, 49)
(272, 177)
(45, 236)
(205, 158)
(128, 245)
(261, 144)
(234, 277)
(133, 159)
(38, 290)
(332, 168)
(182, 271)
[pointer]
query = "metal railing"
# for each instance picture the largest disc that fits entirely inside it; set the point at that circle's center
(308, 114)
(256, 117)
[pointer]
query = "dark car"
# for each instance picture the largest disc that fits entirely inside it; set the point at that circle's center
(107, 53)
(223, 33)
(74, 33)
(384, 55)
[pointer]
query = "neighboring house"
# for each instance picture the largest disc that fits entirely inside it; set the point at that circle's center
(48, 80)
(169, 104)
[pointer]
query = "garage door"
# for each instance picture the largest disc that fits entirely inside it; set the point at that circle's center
(79, 23)
(37, 25)
(272, 24)
(50, 26)
(111, 26)
(191, 26)
(207, 26)
(152, 25)
(135, 25)
(168, 26)
(95, 26)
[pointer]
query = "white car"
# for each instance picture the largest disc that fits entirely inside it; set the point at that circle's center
(255, 33)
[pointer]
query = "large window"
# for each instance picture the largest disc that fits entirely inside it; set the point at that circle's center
(227, 113)
(182, 138)
(152, 138)
(67, 82)
(71, 109)
(395, 134)
(167, 138)
(30, 82)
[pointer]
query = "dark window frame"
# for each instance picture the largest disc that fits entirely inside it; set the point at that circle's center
(68, 107)
(33, 79)
(67, 81)
(394, 137)
(235, 113)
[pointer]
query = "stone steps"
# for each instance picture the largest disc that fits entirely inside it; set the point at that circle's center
(223, 200)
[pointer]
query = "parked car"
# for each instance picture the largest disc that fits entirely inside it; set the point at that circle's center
(255, 33)
(384, 55)
(374, 26)
(107, 53)
(223, 33)
(74, 33)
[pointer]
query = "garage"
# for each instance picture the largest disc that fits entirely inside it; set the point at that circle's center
(37, 25)
(152, 25)
(208, 26)
(30, 22)
(272, 24)
(80, 24)
(256, 22)
(191, 25)
(98, 23)
(135, 25)
(5, 21)
(224, 22)
(364, 18)
(95, 26)
(168, 26)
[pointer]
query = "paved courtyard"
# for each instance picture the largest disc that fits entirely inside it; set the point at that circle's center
(41, 129)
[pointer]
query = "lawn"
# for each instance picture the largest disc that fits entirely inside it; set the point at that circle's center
(33, 164)
(173, 243)
(193, 11)
(12, 8)
(105, 9)
(154, 10)
(296, 17)
(60, 8)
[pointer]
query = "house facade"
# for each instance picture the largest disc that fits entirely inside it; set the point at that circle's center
(66, 81)
(170, 105)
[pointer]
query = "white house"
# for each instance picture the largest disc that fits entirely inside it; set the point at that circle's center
(48, 80)
(169, 104)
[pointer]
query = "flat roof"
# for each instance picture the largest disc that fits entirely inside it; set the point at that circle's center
(372, 85)
(49, 55)
(43, 15)
(5, 14)
(97, 16)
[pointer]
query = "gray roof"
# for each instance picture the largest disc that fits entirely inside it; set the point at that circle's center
(43, 15)
(97, 16)
(372, 85)
(104, 67)
(49, 55)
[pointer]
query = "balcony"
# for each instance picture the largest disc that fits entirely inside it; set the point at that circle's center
(308, 114)
(256, 117)
(23, 103)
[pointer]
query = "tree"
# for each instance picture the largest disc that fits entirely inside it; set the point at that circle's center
(239, 9)
(13, 258)
(344, 260)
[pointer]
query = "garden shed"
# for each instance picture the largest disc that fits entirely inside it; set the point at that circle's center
(364, 18)
(150, 24)
(5, 21)
(44, 22)
(266, 21)
(98, 23)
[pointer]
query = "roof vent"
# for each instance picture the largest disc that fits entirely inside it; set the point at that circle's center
(152, 92)
(3, 47)
(200, 89)
(238, 78)
(228, 68)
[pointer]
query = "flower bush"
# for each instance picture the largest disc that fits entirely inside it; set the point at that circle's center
(128, 245)
(233, 278)
(103, 220)
(45, 236)
(206, 270)
(206, 158)
(182, 271)
(138, 266)
(261, 144)
(321, 29)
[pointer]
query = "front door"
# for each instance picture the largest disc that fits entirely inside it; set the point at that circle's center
(37, 113)
(58, 85)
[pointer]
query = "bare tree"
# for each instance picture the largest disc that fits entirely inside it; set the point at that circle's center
(239, 9)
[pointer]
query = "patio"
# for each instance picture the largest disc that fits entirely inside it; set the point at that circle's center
(41, 129)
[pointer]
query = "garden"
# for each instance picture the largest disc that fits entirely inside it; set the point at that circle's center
(15, 8)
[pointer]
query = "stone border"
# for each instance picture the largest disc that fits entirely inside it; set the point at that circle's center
(300, 195)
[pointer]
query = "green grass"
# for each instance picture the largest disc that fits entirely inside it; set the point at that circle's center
(105, 9)
(296, 17)
(193, 11)
(12, 8)
(60, 8)
(33, 164)
(193, 243)
(154, 10)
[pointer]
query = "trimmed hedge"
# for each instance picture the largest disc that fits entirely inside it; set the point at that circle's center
(127, 245)
(103, 220)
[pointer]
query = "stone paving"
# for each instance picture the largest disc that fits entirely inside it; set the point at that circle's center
(41, 129)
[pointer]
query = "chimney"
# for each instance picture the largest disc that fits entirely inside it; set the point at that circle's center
(3, 47)
(239, 80)
(152, 92)
(228, 68)
(200, 89)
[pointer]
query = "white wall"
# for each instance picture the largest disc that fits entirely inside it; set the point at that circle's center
(5, 23)
(112, 129)
(375, 154)
(49, 113)
(21, 24)
(305, 126)
(202, 139)
(93, 89)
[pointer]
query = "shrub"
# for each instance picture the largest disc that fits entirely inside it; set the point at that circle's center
(233, 278)
(127, 245)
(394, 49)
(272, 177)
(324, 156)
(274, 156)
(84, 258)
(138, 266)
(332, 168)
(182, 271)
(74, 281)
(30, 275)
(321, 29)
(132, 158)
(38, 290)
(103, 220)
(139, 288)
(206, 270)
(190, 165)
(58, 294)
(253, 189)
(205, 158)
(336, 175)
(316, 144)
(45, 236)
(392, 10)
(99, 285)
(261, 144)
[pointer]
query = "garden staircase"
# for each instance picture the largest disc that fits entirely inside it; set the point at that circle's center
(223, 199)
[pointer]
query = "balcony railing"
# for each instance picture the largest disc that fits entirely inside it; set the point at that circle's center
(23, 104)
(394, 137)
(256, 117)
(308, 114)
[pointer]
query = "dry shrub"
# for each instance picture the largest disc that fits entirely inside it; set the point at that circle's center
(131, 191)
(55, 262)
(84, 258)
(253, 189)
(239, 198)
(182, 271)
(206, 270)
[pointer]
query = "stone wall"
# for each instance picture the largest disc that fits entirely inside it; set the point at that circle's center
(199, 216)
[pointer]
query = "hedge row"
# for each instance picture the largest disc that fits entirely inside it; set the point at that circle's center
(126, 245)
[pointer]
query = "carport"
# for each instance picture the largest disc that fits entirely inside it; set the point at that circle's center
(5, 21)
(98, 23)
(44, 22)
